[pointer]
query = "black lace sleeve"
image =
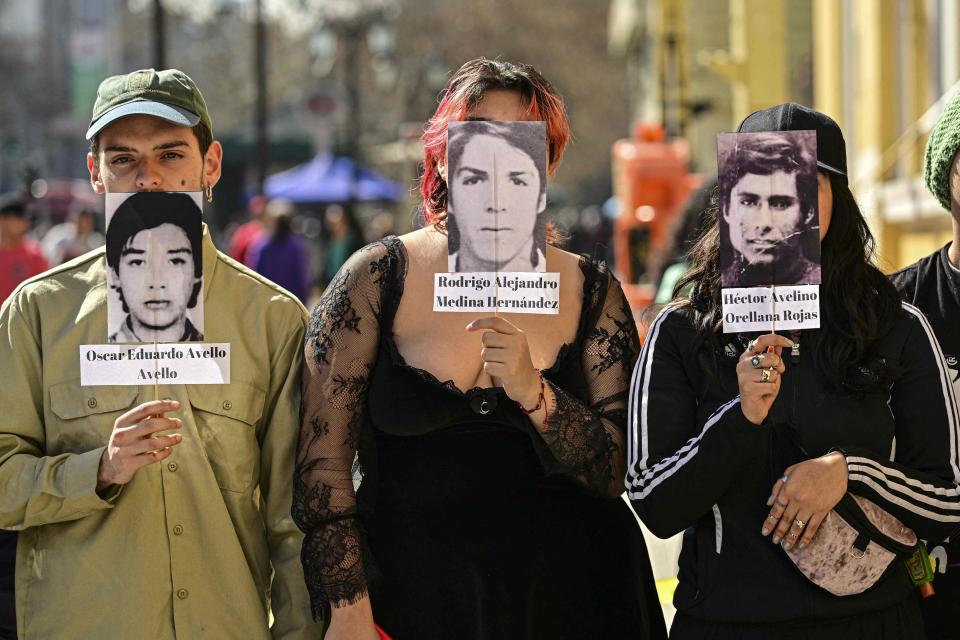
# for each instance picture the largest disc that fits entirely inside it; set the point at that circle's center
(588, 439)
(341, 348)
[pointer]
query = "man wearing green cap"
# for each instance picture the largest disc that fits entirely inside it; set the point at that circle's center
(143, 519)
(932, 284)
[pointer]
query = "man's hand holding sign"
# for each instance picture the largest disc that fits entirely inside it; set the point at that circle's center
(137, 441)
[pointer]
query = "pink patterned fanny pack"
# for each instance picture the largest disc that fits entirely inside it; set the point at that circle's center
(854, 546)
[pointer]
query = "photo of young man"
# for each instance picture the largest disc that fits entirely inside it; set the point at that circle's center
(498, 183)
(153, 247)
(769, 230)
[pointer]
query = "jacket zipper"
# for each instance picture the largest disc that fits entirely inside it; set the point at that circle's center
(795, 409)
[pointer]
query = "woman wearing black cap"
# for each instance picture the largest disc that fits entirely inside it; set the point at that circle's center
(749, 444)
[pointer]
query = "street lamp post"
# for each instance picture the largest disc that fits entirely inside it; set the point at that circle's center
(261, 115)
(159, 36)
(351, 38)
(349, 28)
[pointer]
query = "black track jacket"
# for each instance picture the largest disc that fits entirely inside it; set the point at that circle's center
(933, 286)
(697, 464)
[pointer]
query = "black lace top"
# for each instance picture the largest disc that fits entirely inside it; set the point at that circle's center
(350, 387)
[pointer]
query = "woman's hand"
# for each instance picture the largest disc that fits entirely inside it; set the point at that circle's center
(341, 630)
(352, 622)
(801, 499)
(506, 358)
(758, 374)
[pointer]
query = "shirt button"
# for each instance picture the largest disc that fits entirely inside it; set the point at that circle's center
(182, 594)
(177, 530)
(227, 405)
(172, 466)
(92, 403)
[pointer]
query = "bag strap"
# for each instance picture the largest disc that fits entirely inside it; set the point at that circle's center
(849, 510)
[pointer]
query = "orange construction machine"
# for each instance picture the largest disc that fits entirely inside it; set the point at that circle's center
(652, 181)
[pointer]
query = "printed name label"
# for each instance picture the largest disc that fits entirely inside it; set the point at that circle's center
(766, 308)
(143, 364)
(513, 292)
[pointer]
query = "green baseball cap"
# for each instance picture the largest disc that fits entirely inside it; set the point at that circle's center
(169, 94)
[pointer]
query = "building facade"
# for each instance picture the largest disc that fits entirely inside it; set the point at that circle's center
(881, 68)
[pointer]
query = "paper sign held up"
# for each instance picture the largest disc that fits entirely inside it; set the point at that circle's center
(496, 224)
(769, 254)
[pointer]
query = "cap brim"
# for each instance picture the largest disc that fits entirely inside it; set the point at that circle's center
(176, 115)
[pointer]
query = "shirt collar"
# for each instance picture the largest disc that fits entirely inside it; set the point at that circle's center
(209, 261)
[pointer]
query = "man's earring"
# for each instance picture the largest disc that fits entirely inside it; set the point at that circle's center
(208, 192)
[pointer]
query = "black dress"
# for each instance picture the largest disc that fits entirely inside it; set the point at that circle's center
(467, 522)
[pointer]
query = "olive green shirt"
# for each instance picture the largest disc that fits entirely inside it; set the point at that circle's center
(200, 545)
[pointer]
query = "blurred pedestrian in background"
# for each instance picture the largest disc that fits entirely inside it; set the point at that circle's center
(8, 561)
(381, 226)
(343, 238)
(72, 238)
(688, 226)
(281, 255)
(249, 232)
(20, 256)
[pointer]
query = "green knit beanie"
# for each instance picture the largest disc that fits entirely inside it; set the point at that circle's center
(941, 148)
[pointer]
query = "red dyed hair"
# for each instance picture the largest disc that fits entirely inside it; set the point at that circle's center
(464, 91)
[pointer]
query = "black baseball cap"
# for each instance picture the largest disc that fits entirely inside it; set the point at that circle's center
(13, 206)
(790, 116)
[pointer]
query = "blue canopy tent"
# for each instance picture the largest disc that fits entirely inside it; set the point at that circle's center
(329, 179)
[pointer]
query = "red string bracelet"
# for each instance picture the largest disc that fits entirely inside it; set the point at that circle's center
(541, 402)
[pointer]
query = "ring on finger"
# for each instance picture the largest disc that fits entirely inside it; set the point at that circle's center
(799, 524)
(756, 361)
(765, 375)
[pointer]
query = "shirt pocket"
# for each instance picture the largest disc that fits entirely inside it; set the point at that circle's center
(226, 417)
(85, 415)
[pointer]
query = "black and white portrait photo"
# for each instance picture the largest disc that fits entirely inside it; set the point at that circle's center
(154, 267)
(497, 179)
(769, 228)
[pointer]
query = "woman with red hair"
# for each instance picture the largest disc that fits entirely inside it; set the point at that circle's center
(458, 474)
